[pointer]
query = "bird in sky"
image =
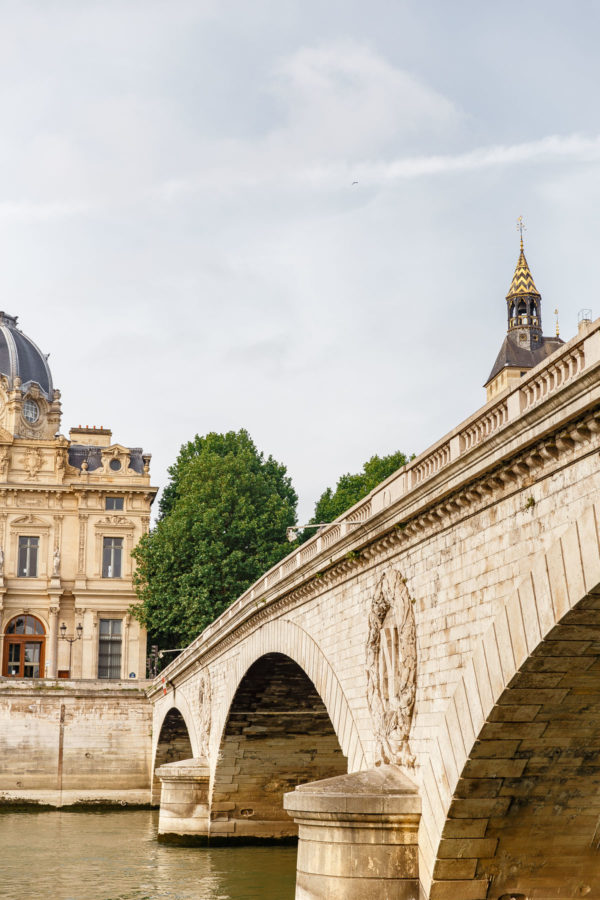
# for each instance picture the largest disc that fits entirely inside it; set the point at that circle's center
(355, 182)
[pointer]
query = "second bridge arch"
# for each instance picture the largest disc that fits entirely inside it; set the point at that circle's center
(277, 735)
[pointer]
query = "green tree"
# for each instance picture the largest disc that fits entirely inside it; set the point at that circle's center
(352, 488)
(223, 519)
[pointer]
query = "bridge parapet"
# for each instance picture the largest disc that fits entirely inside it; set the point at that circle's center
(554, 392)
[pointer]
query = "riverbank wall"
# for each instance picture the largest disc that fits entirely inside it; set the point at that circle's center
(66, 743)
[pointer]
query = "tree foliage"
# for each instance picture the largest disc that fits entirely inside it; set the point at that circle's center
(352, 488)
(223, 520)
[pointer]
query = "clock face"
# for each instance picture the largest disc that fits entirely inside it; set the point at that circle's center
(31, 412)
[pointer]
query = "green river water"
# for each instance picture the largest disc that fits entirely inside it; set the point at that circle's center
(62, 855)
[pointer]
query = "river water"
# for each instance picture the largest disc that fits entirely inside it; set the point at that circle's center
(61, 855)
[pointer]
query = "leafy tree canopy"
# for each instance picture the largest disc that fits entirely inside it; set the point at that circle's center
(223, 518)
(352, 488)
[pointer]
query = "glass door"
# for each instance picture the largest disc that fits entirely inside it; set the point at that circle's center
(31, 661)
(23, 659)
(14, 660)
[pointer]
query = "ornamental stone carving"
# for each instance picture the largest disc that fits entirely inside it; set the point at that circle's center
(4, 460)
(392, 669)
(204, 705)
(33, 462)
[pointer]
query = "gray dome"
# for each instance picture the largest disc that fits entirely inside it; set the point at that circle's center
(20, 357)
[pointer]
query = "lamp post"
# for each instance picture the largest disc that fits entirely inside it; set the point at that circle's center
(292, 531)
(71, 640)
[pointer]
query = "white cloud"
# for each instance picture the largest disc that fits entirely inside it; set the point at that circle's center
(570, 148)
(342, 98)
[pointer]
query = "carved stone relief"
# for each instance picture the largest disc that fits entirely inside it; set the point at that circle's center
(392, 669)
(4, 460)
(114, 520)
(33, 462)
(205, 718)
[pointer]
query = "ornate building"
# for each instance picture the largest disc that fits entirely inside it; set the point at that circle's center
(71, 511)
(524, 345)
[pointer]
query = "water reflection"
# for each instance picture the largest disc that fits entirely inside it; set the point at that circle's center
(115, 856)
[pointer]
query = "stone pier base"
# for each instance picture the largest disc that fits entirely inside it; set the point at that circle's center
(184, 808)
(358, 837)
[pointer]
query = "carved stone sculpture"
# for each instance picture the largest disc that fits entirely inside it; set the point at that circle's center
(204, 702)
(1, 561)
(33, 462)
(56, 562)
(61, 461)
(392, 669)
(4, 460)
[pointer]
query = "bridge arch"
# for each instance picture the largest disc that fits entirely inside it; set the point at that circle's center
(277, 735)
(289, 639)
(285, 721)
(511, 789)
(175, 739)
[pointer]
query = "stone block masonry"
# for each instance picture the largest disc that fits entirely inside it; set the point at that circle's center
(64, 743)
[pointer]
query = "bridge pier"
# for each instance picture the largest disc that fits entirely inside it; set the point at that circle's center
(358, 836)
(184, 803)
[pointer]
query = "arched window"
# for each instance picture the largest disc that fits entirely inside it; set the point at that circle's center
(24, 645)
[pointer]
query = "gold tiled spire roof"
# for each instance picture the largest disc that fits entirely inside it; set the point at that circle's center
(522, 282)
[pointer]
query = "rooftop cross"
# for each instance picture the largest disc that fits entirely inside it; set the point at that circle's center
(521, 227)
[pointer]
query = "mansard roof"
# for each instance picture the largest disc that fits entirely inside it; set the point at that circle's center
(511, 354)
(20, 357)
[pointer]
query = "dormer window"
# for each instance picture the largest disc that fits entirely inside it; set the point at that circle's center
(31, 411)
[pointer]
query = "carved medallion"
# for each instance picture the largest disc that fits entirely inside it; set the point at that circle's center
(392, 669)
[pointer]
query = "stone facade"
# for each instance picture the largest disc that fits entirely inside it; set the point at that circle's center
(71, 511)
(489, 540)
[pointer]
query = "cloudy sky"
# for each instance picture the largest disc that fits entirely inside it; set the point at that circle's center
(180, 230)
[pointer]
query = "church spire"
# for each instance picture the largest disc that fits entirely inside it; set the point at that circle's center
(524, 345)
(522, 282)
(524, 301)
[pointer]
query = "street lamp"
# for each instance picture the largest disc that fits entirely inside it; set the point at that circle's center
(71, 640)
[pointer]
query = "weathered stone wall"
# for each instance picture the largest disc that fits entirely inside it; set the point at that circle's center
(69, 742)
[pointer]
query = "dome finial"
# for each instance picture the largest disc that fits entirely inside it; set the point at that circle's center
(521, 227)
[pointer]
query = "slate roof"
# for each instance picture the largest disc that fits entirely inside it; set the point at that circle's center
(79, 453)
(511, 354)
(19, 356)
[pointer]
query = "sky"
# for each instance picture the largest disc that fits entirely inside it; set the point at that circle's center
(180, 226)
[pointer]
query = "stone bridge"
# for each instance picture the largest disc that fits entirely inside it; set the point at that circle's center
(426, 668)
